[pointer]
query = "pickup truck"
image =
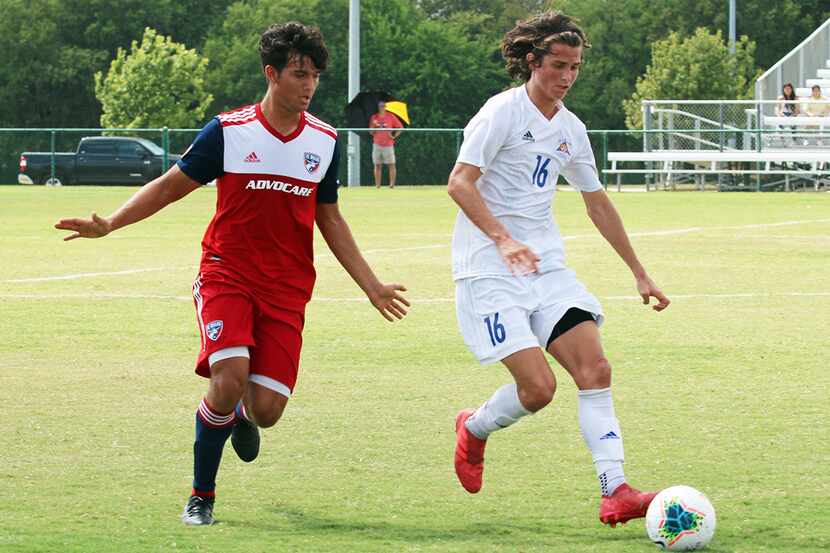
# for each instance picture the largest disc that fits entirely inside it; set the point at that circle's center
(98, 160)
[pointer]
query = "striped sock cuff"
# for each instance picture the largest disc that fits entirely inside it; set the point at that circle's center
(213, 419)
(200, 493)
(242, 412)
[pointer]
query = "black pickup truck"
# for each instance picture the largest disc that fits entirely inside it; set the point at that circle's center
(98, 160)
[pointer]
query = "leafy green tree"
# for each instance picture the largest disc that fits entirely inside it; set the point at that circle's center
(443, 69)
(159, 83)
(50, 51)
(698, 67)
(437, 66)
(622, 33)
(498, 16)
(235, 71)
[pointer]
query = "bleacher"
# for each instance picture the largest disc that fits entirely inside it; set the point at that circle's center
(794, 168)
(744, 144)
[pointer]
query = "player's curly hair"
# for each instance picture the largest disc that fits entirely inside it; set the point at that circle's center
(536, 35)
(280, 43)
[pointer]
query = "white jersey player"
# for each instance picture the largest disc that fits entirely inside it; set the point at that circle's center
(515, 298)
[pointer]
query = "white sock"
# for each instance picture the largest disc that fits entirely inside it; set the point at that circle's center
(500, 411)
(601, 431)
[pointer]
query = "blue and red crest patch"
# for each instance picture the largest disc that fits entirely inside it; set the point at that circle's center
(312, 162)
(214, 329)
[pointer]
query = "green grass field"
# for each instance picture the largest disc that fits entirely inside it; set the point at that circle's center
(727, 390)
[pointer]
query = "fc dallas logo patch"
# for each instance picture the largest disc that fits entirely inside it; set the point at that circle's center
(214, 329)
(312, 162)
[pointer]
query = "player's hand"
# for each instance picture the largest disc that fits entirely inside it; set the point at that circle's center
(648, 290)
(94, 227)
(388, 300)
(519, 258)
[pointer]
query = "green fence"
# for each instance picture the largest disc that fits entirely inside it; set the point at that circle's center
(424, 156)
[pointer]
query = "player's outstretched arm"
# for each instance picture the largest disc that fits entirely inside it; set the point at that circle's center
(166, 189)
(386, 298)
(462, 189)
(607, 220)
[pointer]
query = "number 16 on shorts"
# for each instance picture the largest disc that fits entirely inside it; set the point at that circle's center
(495, 329)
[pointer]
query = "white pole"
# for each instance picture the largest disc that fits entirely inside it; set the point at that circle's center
(732, 27)
(354, 88)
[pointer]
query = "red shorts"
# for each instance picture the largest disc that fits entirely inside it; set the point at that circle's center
(229, 315)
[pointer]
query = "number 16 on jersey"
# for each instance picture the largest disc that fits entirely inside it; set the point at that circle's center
(540, 174)
(495, 329)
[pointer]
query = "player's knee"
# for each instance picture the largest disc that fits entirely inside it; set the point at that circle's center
(537, 395)
(228, 387)
(267, 413)
(598, 374)
(268, 417)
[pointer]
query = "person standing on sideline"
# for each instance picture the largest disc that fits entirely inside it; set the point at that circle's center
(383, 143)
(515, 298)
(275, 166)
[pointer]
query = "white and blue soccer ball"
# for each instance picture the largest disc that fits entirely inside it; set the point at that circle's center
(680, 518)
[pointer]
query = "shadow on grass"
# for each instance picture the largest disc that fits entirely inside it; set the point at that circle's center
(293, 521)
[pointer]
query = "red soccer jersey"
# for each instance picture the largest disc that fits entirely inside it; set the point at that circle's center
(268, 187)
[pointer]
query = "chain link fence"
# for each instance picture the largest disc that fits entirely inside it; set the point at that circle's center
(699, 126)
(422, 156)
(426, 156)
(750, 125)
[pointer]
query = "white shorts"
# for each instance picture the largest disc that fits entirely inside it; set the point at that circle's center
(383, 155)
(500, 315)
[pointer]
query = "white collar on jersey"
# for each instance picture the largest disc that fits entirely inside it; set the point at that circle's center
(560, 107)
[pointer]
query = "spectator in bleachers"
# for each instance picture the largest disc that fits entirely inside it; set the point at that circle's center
(817, 105)
(788, 107)
(785, 108)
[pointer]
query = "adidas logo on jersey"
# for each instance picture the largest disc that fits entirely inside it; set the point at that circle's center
(251, 158)
(528, 136)
(279, 186)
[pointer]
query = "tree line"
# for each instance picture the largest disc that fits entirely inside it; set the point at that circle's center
(440, 56)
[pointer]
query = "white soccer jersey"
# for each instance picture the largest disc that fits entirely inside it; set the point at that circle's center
(521, 154)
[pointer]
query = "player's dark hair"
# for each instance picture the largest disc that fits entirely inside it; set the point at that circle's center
(279, 44)
(536, 35)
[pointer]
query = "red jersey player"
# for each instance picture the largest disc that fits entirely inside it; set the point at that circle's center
(276, 171)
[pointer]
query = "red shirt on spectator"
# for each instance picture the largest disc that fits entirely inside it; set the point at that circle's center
(385, 121)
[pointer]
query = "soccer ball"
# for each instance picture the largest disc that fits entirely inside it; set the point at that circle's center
(680, 518)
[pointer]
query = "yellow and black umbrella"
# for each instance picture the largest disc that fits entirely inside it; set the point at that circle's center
(398, 109)
(365, 104)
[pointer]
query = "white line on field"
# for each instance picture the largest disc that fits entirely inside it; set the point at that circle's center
(667, 232)
(387, 250)
(105, 296)
(101, 296)
(87, 275)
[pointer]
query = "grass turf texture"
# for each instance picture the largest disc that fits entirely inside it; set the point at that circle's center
(726, 391)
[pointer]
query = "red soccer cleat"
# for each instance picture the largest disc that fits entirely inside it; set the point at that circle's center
(623, 505)
(469, 454)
